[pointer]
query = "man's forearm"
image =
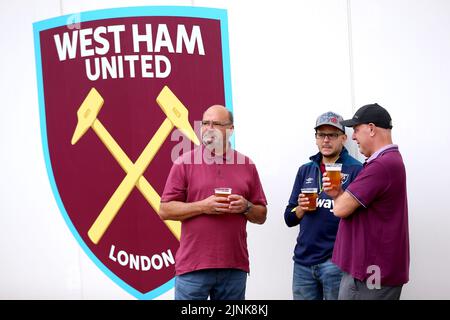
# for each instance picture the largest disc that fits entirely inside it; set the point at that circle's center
(179, 211)
(257, 214)
(344, 205)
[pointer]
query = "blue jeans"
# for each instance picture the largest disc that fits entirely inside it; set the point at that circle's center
(218, 284)
(316, 282)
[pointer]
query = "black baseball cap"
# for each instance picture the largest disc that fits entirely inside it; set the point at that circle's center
(370, 113)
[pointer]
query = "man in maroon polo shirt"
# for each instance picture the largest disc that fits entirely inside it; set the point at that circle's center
(372, 243)
(212, 260)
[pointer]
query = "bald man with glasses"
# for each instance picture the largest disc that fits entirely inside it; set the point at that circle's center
(213, 260)
(315, 277)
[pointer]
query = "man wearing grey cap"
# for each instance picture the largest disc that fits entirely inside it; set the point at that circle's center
(372, 244)
(315, 277)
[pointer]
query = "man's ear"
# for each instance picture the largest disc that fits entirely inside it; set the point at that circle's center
(230, 131)
(372, 128)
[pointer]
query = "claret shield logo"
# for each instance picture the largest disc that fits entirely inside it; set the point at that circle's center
(113, 86)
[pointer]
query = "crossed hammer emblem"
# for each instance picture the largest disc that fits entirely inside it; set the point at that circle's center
(176, 116)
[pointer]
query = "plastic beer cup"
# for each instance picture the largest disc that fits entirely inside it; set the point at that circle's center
(222, 192)
(311, 194)
(334, 173)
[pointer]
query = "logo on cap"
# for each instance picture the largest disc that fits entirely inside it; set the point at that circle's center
(330, 118)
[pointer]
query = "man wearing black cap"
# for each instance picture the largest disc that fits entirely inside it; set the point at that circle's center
(315, 277)
(372, 244)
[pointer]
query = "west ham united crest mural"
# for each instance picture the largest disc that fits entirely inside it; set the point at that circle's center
(119, 90)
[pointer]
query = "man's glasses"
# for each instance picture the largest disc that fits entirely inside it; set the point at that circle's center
(214, 124)
(330, 136)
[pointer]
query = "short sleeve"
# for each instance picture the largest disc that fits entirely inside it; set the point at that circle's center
(371, 182)
(176, 186)
(257, 195)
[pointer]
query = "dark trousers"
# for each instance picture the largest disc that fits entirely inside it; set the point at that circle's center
(354, 289)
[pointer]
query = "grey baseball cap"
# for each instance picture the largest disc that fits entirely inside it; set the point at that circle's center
(330, 118)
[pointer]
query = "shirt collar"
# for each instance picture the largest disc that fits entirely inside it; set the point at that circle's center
(228, 155)
(380, 151)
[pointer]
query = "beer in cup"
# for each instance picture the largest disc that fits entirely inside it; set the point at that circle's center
(311, 194)
(222, 192)
(334, 173)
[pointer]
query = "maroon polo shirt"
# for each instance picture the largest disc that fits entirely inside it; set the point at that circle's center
(376, 234)
(212, 241)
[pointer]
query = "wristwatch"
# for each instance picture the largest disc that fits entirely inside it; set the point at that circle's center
(249, 206)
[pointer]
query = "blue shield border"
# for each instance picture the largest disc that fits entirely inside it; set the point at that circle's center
(171, 11)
